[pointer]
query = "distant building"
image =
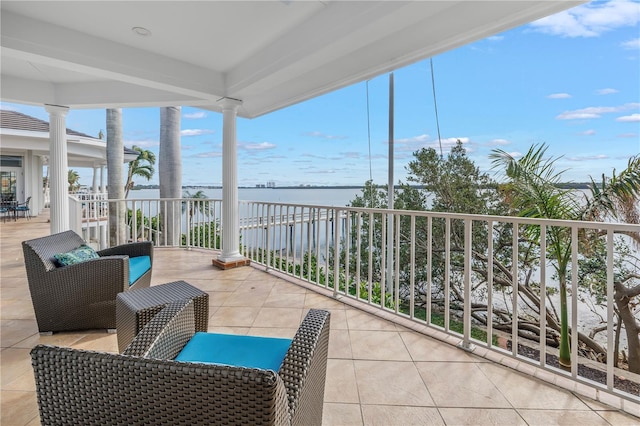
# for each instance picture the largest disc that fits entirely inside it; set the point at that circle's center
(271, 184)
(260, 185)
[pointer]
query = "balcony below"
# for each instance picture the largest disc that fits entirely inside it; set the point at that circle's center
(379, 371)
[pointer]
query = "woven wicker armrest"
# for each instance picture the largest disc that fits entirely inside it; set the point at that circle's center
(166, 334)
(101, 275)
(143, 248)
(304, 368)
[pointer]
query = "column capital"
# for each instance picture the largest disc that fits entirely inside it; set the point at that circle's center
(56, 109)
(229, 104)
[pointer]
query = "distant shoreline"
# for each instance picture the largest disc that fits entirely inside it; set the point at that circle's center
(568, 185)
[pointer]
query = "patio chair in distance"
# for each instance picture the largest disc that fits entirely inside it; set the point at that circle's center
(24, 208)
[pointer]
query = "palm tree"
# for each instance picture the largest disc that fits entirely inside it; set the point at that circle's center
(533, 191)
(115, 158)
(141, 166)
(203, 207)
(170, 165)
(74, 180)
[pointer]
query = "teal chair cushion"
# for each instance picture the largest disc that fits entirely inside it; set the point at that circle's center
(265, 353)
(138, 266)
(77, 255)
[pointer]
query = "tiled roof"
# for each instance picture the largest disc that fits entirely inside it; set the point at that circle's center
(19, 121)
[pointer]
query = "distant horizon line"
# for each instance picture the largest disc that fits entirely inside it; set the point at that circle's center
(564, 185)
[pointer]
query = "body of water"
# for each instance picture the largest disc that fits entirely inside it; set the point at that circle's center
(313, 196)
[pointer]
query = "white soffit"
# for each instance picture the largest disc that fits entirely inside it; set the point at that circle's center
(269, 54)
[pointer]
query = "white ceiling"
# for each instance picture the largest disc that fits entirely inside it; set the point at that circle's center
(268, 54)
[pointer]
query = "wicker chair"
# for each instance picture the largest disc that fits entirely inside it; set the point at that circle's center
(144, 386)
(80, 296)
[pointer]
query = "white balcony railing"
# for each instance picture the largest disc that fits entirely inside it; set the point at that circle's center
(476, 278)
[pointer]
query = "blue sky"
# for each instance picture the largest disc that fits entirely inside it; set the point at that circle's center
(571, 81)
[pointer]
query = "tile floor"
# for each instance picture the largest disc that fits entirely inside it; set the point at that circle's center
(379, 372)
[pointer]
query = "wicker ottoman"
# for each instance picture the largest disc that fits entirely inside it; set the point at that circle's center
(135, 308)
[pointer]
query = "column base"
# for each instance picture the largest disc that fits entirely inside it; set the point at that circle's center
(230, 264)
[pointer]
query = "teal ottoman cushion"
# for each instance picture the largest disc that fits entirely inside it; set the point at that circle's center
(264, 353)
(137, 267)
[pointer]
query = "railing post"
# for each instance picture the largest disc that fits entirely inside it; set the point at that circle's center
(466, 316)
(189, 206)
(336, 253)
(268, 236)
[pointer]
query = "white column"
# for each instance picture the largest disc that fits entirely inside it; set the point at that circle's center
(102, 179)
(94, 185)
(230, 219)
(58, 168)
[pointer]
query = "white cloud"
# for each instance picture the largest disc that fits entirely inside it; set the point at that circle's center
(607, 91)
(628, 135)
(633, 118)
(589, 132)
(515, 154)
(195, 115)
(495, 38)
(633, 44)
(351, 154)
(256, 146)
(499, 142)
(144, 143)
(195, 132)
(590, 20)
(210, 154)
(559, 96)
(324, 135)
(589, 157)
(425, 141)
(594, 112)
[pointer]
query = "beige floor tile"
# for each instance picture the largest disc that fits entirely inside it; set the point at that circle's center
(20, 292)
(338, 319)
(389, 415)
(15, 331)
(562, 418)
(619, 419)
(340, 344)
(286, 287)
(276, 299)
(231, 316)
(460, 384)
(358, 320)
(318, 301)
(229, 330)
(215, 285)
(482, 416)
(335, 414)
(340, 385)
(25, 382)
(217, 298)
(17, 309)
(391, 383)
(98, 341)
(423, 348)
(286, 333)
(381, 345)
(17, 408)
(248, 297)
(56, 339)
(14, 362)
(518, 388)
(279, 317)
